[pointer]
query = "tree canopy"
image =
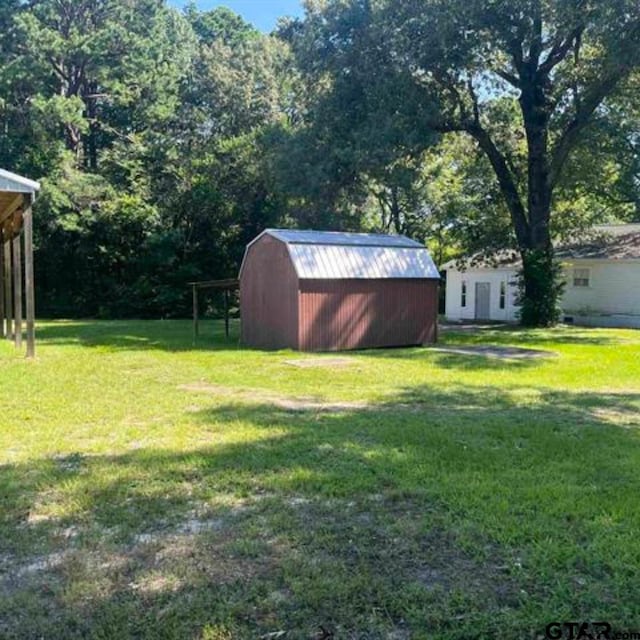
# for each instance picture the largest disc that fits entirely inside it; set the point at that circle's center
(524, 79)
(166, 140)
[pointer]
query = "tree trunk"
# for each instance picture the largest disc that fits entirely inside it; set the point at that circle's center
(540, 288)
(396, 211)
(91, 146)
(73, 138)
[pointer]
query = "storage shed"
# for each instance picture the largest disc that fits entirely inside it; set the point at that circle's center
(326, 291)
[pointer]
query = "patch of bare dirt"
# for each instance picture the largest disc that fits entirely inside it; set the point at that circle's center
(306, 404)
(618, 416)
(288, 403)
(212, 389)
(502, 353)
(327, 363)
(153, 561)
(40, 564)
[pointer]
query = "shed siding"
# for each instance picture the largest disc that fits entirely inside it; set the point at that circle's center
(269, 297)
(358, 314)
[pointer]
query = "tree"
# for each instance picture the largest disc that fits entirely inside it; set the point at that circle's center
(99, 59)
(220, 25)
(87, 87)
(472, 67)
(603, 173)
(209, 171)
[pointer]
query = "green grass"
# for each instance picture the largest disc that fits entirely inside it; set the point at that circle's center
(149, 489)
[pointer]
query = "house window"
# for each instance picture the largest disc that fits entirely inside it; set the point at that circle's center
(581, 278)
(503, 295)
(463, 297)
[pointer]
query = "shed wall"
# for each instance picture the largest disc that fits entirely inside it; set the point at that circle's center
(269, 297)
(359, 314)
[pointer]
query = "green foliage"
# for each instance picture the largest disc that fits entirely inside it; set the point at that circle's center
(166, 141)
(523, 80)
(220, 25)
(147, 129)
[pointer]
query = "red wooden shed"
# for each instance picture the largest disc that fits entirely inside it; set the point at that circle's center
(325, 291)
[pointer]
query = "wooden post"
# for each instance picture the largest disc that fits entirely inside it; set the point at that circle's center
(28, 278)
(3, 331)
(17, 289)
(196, 327)
(226, 312)
(8, 292)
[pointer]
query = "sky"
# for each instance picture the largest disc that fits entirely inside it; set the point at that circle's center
(262, 13)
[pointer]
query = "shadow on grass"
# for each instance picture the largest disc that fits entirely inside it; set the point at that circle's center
(470, 513)
(512, 335)
(467, 513)
(461, 361)
(140, 335)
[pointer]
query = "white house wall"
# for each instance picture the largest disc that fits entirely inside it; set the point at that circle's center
(614, 289)
(454, 310)
(611, 299)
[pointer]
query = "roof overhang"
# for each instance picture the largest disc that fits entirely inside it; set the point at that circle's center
(15, 193)
(17, 184)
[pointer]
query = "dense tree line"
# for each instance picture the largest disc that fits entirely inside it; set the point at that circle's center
(166, 140)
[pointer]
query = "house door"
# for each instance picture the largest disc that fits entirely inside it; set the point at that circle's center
(483, 301)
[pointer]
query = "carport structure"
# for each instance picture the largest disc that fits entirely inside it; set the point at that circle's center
(17, 195)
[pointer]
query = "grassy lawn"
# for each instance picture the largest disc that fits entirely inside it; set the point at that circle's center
(149, 489)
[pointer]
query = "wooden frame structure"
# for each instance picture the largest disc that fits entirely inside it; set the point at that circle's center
(219, 285)
(17, 290)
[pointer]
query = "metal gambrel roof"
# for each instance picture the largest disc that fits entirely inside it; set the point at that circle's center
(323, 255)
(342, 239)
(17, 184)
(316, 262)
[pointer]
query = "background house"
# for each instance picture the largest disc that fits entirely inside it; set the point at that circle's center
(321, 291)
(602, 276)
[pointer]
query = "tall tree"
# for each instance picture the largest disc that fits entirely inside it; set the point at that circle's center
(87, 87)
(457, 64)
(210, 172)
(97, 59)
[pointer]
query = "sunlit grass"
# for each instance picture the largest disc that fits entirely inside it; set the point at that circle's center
(153, 489)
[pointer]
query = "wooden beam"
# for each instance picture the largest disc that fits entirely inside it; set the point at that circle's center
(221, 285)
(226, 312)
(17, 290)
(16, 203)
(28, 278)
(8, 288)
(3, 331)
(196, 324)
(216, 284)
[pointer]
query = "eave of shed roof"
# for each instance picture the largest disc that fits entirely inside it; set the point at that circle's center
(339, 238)
(17, 184)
